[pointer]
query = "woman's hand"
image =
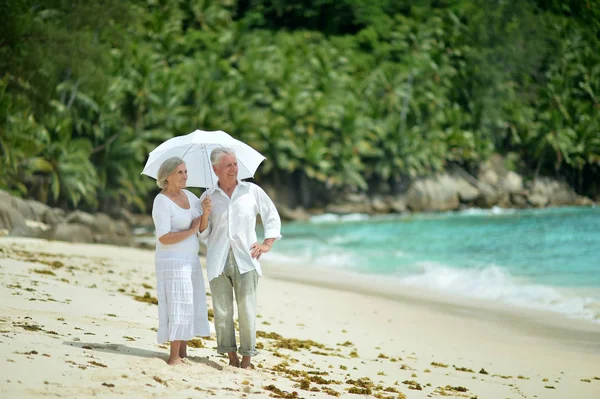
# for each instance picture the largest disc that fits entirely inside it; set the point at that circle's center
(256, 250)
(195, 227)
(206, 205)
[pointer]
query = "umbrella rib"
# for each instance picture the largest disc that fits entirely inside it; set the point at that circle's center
(245, 167)
(209, 167)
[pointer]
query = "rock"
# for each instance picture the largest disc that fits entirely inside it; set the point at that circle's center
(489, 197)
(356, 198)
(348, 208)
(557, 193)
(122, 228)
(5, 198)
(398, 203)
(143, 220)
(80, 217)
(503, 200)
(103, 224)
(466, 191)
(54, 216)
(537, 200)
(562, 195)
(433, 194)
(292, 214)
(544, 186)
(519, 200)
(489, 177)
(583, 201)
(38, 210)
(126, 216)
(11, 220)
(380, 205)
(23, 208)
(512, 183)
(70, 232)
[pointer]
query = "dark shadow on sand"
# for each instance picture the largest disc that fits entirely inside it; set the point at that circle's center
(132, 351)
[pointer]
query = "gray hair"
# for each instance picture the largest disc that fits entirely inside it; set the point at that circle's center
(218, 153)
(166, 169)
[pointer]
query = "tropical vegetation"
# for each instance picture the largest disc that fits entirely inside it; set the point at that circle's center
(337, 94)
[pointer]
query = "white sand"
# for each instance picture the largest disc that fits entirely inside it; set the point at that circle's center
(85, 317)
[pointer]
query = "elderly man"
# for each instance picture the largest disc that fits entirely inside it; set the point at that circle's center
(229, 224)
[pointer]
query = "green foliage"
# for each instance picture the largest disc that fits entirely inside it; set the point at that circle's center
(348, 93)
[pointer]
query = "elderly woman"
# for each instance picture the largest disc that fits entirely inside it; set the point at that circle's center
(182, 311)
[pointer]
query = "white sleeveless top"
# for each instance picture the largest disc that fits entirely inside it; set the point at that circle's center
(169, 217)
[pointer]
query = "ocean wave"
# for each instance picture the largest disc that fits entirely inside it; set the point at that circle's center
(496, 283)
(496, 210)
(334, 218)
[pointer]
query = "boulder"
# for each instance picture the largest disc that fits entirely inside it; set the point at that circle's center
(466, 191)
(380, 205)
(103, 224)
(398, 203)
(348, 208)
(38, 210)
(537, 200)
(126, 216)
(489, 177)
(562, 195)
(70, 232)
(54, 216)
(433, 194)
(80, 217)
(489, 197)
(519, 200)
(512, 183)
(583, 201)
(23, 208)
(287, 213)
(11, 220)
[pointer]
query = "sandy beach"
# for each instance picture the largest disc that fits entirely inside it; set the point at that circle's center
(78, 321)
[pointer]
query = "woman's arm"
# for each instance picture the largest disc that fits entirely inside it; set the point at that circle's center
(206, 209)
(175, 237)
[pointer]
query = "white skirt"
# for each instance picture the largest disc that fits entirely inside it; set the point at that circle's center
(182, 310)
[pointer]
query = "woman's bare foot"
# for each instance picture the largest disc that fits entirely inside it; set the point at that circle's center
(174, 361)
(246, 362)
(183, 350)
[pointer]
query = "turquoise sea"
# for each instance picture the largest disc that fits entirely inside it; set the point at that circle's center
(548, 258)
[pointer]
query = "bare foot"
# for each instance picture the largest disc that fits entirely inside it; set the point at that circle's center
(234, 360)
(174, 361)
(246, 362)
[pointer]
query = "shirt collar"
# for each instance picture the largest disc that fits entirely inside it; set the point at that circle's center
(216, 187)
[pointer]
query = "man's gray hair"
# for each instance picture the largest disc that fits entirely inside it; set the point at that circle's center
(218, 153)
(166, 169)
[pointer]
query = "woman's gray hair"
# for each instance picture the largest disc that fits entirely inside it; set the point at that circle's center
(166, 169)
(218, 153)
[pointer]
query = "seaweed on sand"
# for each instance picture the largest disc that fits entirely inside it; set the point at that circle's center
(147, 298)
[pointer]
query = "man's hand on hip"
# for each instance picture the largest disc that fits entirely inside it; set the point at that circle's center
(256, 250)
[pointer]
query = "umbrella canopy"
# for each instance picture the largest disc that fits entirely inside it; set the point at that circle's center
(195, 149)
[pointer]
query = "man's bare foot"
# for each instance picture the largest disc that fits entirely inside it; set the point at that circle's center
(234, 360)
(174, 361)
(246, 362)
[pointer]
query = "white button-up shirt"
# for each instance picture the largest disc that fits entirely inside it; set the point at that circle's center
(232, 223)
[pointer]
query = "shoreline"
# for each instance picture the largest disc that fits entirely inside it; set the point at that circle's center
(77, 320)
(577, 332)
